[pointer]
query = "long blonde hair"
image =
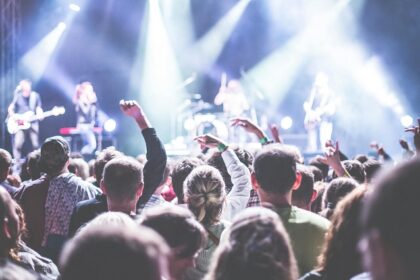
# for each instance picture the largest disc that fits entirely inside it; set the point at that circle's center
(204, 190)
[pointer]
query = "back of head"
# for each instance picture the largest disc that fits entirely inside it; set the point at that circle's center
(356, 170)
(178, 226)
(258, 247)
(55, 154)
(336, 191)
(391, 213)
(204, 191)
(321, 166)
(5, 163)
(79, 167)
(109, 219)
(122, 178)
(216, 161)
(318, 175)
(181, 169)
(32, 165)
(275, 169)
(372, 167)
(102, 159)
(302, 196)
(114, 252)
(340, 258)
(361, 158)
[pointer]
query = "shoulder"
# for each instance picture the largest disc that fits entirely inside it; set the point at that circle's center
(96, 202)
(313, 275)
(310, 218)
(32, 186)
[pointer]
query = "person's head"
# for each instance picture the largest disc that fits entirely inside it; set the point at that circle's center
(26, 86)
(275, 171)
(316, 205)
(180, 170)
(356, 170)
(305, 194)
(340, 258)
(391, 229)
(5, 164)
(32, 165)
(321, 166)
(257, 247)
(54, 155)
(122, 183)
(114, 252)
(371, 167)
(336, 190)
(79, 167)
(318, 175)
(108, 219)
(102, 159)
(204, 192)
(216, 161)
(9, 223)
(183, 233)
(361, 158)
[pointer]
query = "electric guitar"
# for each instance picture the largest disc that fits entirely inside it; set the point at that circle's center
(23, 121)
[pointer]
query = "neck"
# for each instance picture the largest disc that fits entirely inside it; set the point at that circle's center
(128, 208)
(278, 200)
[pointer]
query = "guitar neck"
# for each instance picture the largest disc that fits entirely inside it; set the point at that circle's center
(41, 116)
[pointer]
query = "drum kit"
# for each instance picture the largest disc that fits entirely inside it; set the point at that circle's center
(196, 117)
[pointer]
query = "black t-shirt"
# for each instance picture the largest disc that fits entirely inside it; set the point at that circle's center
(22, 104)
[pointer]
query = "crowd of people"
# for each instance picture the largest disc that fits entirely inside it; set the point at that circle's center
(227, 214)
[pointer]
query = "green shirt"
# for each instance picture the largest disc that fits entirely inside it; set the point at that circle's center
(306, 231)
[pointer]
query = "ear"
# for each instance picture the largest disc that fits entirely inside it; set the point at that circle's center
(314, 195)
(6, 229)
(102, 185)
(254, 181)
(139, 192)
(297, 182)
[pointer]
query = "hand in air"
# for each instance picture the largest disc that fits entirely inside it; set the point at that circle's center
(275, 133)
(416, 131)
(131, 108)
(208, 141)
(248, 125)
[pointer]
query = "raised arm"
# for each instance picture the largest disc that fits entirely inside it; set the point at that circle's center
(238, 197)
(156, 154)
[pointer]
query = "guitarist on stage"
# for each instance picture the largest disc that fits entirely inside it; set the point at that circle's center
(25, 100)
(319, 108)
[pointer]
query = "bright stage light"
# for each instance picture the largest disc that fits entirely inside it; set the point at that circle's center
(74, 7)
(286, 123)
(206, 51)
(36, 60)
(110, 125)
(156, 73)
(62, 25)
(406, 120)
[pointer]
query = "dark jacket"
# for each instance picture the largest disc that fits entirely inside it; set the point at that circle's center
(153, 171)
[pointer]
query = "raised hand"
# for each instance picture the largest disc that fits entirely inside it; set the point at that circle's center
(416, 131)
(132, 109)
(332, 158)
(404, 145)
(275, 133)
(248, 125)
(209, 141)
